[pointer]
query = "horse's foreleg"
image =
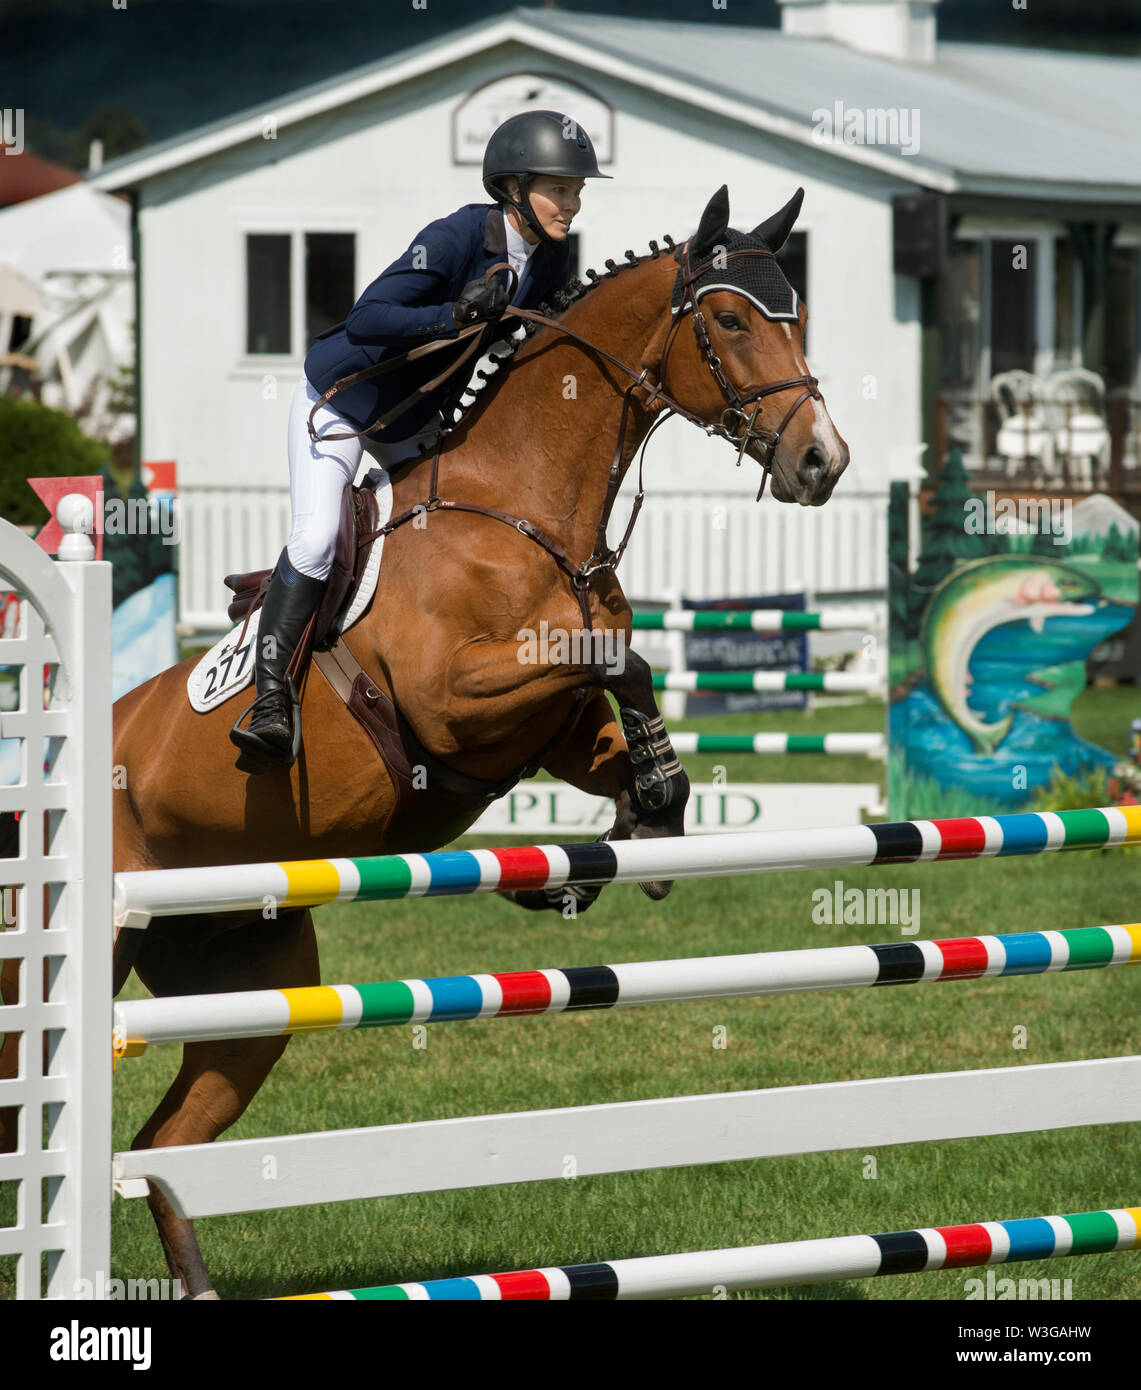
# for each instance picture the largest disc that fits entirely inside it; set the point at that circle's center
(217, 1080)
(215, 1084)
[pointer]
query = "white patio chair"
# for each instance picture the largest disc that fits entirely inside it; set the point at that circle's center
(1024, 439)
(1076, 406)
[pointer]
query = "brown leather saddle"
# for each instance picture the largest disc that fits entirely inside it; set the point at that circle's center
(412, 767)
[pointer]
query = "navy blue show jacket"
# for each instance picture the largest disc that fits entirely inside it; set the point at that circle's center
(411, 302)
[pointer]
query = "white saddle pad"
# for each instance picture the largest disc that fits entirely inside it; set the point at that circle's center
(228, 667)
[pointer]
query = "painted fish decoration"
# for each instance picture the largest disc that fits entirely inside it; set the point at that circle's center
(982, 595)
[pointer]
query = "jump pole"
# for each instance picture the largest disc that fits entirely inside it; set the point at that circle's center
(758, 620)
(836, 745)
(241, 887)
(768, 1266)
(455, 998)
(837, 682)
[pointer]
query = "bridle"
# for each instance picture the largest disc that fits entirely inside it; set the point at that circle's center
(737, 422)
(738, 403)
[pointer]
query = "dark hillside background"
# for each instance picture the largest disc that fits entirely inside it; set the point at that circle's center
(81, 68)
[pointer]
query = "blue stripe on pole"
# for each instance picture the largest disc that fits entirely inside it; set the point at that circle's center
(1024, 833)
(454, 997)
(1027, 953)
(454, 871)
(1031, 1238)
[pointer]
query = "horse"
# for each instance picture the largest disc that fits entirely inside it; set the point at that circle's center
(442, 639)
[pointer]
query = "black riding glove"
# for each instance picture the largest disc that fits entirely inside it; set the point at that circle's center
(480, 301)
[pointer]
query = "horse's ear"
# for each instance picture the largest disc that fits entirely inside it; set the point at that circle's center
(775, 229)
(713, 225)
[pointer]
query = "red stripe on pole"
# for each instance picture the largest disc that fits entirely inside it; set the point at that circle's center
(966, 1245)
(963, 957)
(524, 992)
(523, 866)
(527, 1285)
(960, 838)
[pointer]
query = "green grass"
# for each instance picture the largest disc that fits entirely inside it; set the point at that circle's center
(378, 1076)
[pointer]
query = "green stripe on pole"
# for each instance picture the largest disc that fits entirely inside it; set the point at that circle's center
(385, 1003)
(1095, 1232)
(384, 877)
(805, 743)
(1084, 828)
(387, 1293)
(743, 680)
(1089, 947)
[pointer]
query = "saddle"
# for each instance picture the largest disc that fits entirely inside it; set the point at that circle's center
(359, 516)
(410, 764)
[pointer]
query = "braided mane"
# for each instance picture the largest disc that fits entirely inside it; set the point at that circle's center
(477, 390)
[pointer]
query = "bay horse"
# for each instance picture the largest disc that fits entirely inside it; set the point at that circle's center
(442, 638)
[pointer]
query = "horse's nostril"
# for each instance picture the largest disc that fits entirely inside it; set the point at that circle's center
(812, 463)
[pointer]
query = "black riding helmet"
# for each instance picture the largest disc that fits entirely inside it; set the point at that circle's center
(536, 142)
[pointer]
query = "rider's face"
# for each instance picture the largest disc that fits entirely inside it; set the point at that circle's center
(555, 201)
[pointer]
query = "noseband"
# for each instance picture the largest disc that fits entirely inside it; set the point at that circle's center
(737, 424)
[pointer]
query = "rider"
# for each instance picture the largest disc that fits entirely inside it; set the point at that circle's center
(534, 168)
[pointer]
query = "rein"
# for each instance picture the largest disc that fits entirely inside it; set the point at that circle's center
(602, 559)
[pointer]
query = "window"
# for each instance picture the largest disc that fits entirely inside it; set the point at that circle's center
(1121, 317)
(1012, 334)
(330, 277)
(268, 299)
(1067, 277)
(960, 307)
(297, 285)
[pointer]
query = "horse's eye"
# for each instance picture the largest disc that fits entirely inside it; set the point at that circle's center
(729, 321)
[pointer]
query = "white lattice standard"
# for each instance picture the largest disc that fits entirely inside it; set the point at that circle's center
(55, 927)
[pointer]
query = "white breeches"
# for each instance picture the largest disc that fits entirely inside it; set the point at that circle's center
(319, 472)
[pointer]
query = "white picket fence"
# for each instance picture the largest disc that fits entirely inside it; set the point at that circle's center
(58, 891)
(704, 545)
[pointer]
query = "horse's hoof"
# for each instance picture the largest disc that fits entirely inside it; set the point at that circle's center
(209, 1296)
(656, 891)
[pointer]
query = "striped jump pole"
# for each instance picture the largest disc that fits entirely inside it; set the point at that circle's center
(836, 745)
(454, 998)
(837, 682)
(758, 620)
(768, 1266)
(139, 896)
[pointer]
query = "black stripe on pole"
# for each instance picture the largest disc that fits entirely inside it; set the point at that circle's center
(897, 842)
(900, 964)
(592, 987)
(591, 863)
(901, 1252)
(591, 1282)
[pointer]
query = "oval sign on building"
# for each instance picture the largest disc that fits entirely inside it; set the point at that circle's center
(485, 109)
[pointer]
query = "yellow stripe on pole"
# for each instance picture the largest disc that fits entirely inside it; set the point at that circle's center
(313, 1009)
(1132, 816)
(1135, 1213)
(1133, 931)
(311, 881)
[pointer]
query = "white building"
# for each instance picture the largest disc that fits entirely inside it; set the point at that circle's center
(66, 268)
(259, 230)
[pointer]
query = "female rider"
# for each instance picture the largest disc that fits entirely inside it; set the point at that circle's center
(534, 168)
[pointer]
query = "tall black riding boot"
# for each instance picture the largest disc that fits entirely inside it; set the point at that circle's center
(290, 601)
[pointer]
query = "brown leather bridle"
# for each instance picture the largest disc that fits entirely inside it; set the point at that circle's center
(736, 423)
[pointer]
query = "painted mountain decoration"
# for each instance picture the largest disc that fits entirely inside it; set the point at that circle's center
(989, 641)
